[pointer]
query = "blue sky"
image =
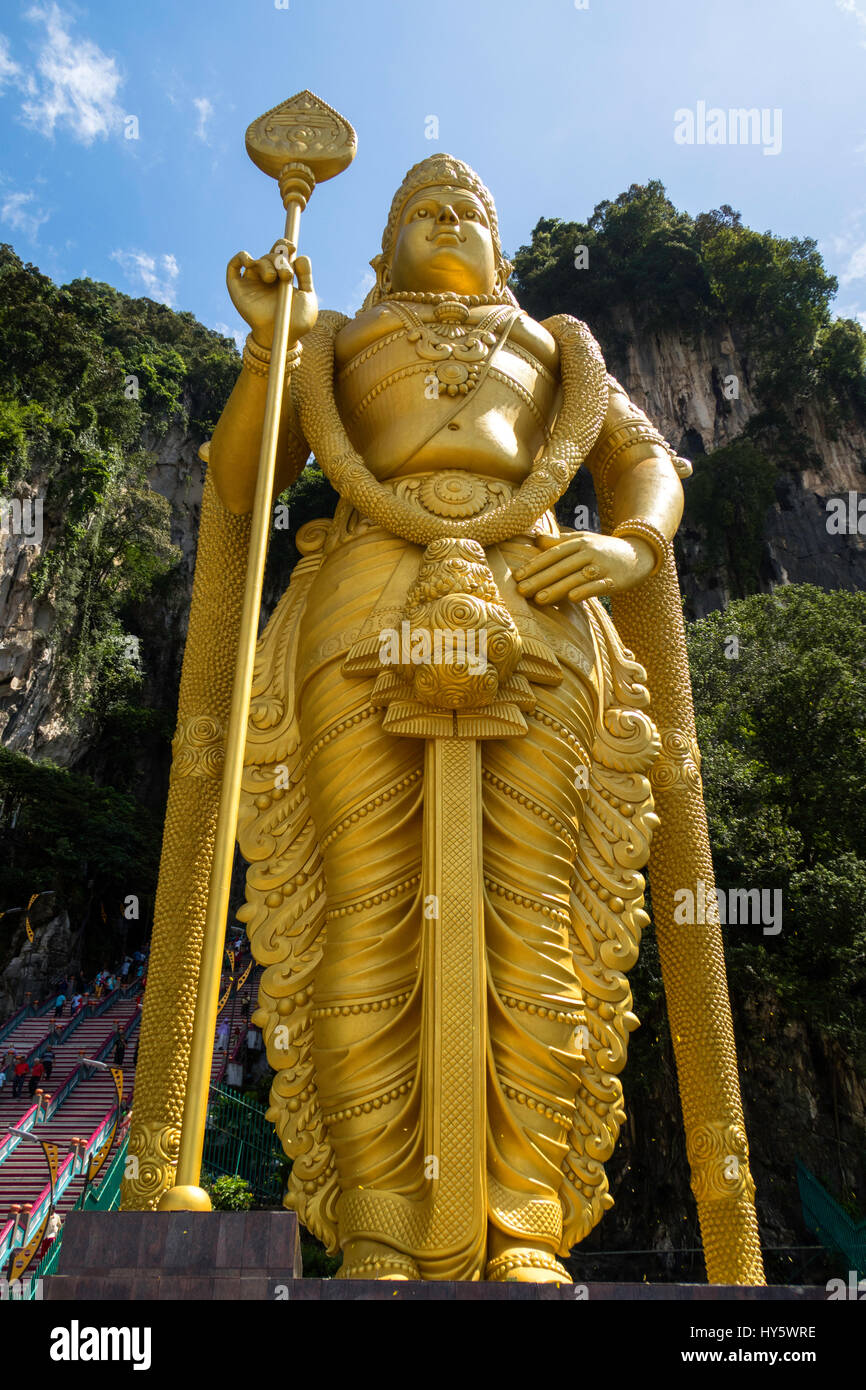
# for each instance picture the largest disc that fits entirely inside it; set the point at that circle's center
(557, 103)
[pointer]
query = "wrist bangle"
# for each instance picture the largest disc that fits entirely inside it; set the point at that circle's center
(258, 359)
(655, 539)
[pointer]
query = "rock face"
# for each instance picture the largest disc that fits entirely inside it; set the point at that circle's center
(34, 966)
(31, 718)
(682, 386)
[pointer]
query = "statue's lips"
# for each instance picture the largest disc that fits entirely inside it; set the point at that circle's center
(452, 238)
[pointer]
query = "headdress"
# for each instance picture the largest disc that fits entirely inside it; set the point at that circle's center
(438, 171)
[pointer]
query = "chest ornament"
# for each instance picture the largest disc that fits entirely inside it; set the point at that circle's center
(456, 352)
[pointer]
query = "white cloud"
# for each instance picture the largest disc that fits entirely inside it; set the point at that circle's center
(239, 334)
(205, 111)
(856, 267)
(22, 213)
(856, 11)
(155, 274)
(75, 84)
(9, 70)
(361, 289)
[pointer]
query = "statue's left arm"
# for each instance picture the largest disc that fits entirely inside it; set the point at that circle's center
(633, 471)
(639, 488)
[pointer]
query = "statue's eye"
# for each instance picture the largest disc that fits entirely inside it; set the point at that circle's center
(421, 212)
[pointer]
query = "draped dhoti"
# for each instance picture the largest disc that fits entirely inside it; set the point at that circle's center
(552, 1102)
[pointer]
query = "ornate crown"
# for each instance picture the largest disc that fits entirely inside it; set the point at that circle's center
(436, 171)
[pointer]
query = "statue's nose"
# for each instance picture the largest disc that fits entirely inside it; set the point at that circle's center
(447, 214)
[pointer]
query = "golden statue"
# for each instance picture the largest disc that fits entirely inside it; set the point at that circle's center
(452, 772)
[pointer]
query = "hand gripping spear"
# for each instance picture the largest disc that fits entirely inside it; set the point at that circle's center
(300, 143)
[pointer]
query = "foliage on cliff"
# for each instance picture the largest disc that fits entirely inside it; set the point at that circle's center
(86, 376)
(62, 833)
(780, 695)
(677, 271)
(772, 293)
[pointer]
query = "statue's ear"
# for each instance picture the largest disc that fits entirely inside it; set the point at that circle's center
(503, 274)
(383, 274)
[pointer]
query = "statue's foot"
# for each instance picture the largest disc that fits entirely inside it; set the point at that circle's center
(368, 1259)
(522, 1264)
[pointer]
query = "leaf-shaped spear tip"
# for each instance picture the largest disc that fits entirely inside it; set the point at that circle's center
(301, 142)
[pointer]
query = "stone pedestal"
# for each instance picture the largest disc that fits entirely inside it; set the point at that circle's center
(176, 1255)
(256, 1255)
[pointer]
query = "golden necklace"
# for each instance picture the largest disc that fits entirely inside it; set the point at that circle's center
(455, 350)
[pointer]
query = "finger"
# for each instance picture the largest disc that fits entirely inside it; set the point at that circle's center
(233, 269)
(552, 593)
(552, 561)
(545, 541)
(304, 271)
(548, 556)
(568, 569)
(596, 589)
(265, 269)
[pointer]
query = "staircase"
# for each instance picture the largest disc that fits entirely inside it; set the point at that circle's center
(76, 1101)
(79, 1101)
(233, 1021)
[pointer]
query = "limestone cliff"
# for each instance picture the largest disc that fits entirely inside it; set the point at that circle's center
(680, 382)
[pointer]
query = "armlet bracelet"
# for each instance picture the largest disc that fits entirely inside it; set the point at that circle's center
(257, 359)
(658, 543)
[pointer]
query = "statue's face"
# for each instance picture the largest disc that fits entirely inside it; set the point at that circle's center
(444, 243)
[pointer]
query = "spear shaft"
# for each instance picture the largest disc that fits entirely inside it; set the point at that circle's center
(270, 142)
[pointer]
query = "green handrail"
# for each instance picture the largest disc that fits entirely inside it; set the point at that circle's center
(831, 1223)
(105, 1197)
(240, 1141)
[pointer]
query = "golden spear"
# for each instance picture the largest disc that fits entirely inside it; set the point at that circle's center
(301, 143)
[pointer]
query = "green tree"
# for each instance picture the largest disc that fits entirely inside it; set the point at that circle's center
(229, 1193)
(675, 271)
(62, 832)
(780, 697)
(87, 377)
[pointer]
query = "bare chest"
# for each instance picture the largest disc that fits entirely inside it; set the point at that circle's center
(475, 392)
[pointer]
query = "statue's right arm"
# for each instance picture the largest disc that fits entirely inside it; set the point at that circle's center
(236, 442)
(234, 448)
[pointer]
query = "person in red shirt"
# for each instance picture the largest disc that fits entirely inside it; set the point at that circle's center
(21, 1071)
(36, 1076)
